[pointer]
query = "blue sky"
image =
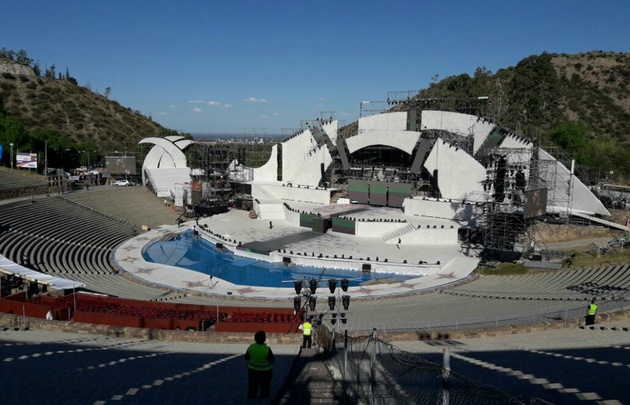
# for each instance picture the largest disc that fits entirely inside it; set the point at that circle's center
(262, 66)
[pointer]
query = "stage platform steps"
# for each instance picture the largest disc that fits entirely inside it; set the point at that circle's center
(398, 232)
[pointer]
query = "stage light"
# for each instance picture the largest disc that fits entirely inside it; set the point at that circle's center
(312, 302)
(344, 284)
(297, 302)
(345, 300)
(298, 287)
(312, 285)
(332, 285)
(331, 302)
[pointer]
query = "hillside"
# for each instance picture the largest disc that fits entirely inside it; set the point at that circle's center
(50, 107)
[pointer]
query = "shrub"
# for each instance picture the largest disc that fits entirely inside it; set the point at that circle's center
(8, 75)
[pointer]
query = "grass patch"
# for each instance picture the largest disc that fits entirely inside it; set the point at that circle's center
(591, 260)
(575, 260)
(504, 269)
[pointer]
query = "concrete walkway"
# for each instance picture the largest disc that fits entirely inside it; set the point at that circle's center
(562, 366)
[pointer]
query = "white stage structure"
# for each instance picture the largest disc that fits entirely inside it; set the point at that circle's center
(164, 167)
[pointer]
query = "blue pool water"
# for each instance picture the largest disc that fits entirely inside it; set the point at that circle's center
(193, 253)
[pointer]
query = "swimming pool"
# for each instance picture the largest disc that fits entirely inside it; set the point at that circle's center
(194, 253)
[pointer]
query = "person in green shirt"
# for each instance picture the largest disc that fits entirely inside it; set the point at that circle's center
(260, 367)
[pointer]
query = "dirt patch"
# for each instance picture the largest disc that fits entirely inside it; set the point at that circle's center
(548, 233)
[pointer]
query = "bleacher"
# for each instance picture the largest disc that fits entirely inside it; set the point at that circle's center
(608, 283)
(135, 205)
(14, 179)
(163, 180)
(59, 237)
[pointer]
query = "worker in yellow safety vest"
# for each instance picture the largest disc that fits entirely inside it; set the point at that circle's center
(307, 330)
(259, 368)
(591, 310)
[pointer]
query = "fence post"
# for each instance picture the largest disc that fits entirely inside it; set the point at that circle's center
(345, 354)
(373, 365)
(446, 374)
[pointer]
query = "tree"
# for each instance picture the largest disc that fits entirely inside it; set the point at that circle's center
(50, 72)
(571, 137)
(22, 57)
(108, 92)
(534, 93)
(36, 69)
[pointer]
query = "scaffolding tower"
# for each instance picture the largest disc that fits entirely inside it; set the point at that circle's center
(512, 174)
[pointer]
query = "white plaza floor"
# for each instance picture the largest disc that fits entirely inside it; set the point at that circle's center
(236, 227)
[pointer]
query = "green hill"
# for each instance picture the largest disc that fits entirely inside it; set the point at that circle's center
(35, 108)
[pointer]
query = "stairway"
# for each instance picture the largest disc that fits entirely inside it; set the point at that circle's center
(395, 234)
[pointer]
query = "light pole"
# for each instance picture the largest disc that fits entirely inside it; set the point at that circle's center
(11, 145)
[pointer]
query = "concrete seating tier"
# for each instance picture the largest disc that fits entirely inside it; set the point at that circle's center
(116, 285)
(11, 179)
(68, 238)
(609, 282)
(53, 235)
(437, 311)
(135, 205)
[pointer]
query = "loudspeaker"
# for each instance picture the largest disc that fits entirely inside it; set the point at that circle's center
(195, 196)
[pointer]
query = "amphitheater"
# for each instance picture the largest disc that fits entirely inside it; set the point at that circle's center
(92, 239)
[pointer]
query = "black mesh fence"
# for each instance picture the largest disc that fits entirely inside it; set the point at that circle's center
(372, 371)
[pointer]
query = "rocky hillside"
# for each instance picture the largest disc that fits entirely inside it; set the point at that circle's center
(51, 104)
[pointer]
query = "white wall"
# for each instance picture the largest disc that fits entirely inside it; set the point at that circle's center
(429, 236)
(277, 191)
(292, 217)
(330, 129)
(268, 171)
(459, 174)
(309, 172)
(266, 211)
(458, 123)
(404, 140)
(394, 121)
(439, 209)
(583, 200)
(294, 152)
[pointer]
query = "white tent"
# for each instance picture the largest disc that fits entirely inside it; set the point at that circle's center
(8, 267)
